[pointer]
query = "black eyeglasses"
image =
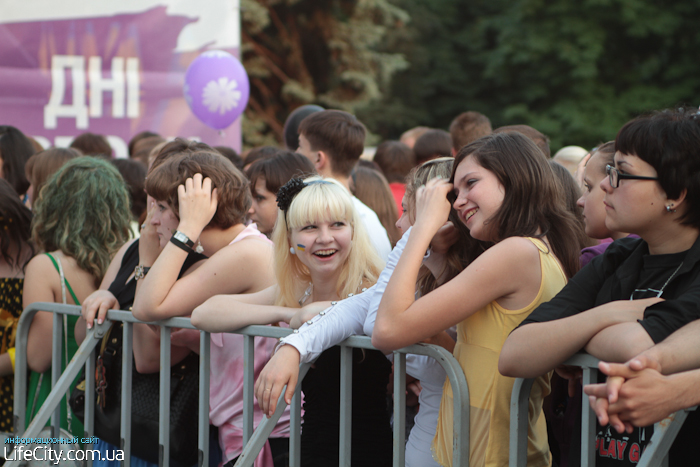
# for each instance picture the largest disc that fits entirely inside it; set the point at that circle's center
(616, 176)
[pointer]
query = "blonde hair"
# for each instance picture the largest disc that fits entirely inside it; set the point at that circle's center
(462, 252)
(322, 200)
(419, 176)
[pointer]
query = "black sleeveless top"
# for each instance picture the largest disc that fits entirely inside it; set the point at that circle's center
(371, 431)
(126, 291)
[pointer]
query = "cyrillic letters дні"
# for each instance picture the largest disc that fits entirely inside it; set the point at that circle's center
(55, 108)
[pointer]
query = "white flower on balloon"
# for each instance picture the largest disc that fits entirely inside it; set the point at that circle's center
(221, 95)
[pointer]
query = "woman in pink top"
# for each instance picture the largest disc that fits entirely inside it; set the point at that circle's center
(209, 198)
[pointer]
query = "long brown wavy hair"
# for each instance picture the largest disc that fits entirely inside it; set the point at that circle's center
(533, 205)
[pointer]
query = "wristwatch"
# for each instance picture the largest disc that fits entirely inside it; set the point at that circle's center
(140, 272)
(181, 237)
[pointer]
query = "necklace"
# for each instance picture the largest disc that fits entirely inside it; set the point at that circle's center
(639, 293)
(307, 293)
(310, 290)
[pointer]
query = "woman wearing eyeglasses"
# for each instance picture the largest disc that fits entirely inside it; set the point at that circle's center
(640, 290)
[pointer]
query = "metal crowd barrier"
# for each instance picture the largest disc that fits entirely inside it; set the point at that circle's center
(655, 454)
(253, 441)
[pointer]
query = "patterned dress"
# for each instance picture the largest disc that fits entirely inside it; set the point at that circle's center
(10, 309)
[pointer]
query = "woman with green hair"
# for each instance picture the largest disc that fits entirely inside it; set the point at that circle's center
(81, 219)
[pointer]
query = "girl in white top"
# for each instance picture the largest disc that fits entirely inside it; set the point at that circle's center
(356, 315)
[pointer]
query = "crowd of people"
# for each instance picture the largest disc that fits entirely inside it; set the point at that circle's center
(474, 239)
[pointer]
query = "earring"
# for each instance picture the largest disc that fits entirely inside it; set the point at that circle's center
(669, 208)
(199, 249)
(292, 251)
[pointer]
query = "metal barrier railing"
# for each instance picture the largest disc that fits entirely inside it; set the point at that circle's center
(253, 441)
(655, 454)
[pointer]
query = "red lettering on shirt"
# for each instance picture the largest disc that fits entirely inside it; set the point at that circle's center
(621, 446)
(634, 453)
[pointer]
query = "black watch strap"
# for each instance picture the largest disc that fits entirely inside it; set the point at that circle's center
(184, 239)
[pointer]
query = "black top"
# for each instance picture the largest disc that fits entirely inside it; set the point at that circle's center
(126, 291)
(11, 290)
(626, 268)
(371, 431)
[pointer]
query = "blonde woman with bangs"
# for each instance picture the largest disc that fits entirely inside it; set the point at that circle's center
(356, 316)
(322, 254)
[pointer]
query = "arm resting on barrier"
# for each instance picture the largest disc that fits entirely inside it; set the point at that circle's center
(222, 313)
(95, 306)
(561, 338)
(620, 342)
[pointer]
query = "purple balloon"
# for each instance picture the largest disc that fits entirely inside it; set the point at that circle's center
(216, 88)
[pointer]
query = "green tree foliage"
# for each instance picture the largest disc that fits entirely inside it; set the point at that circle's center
(576, 71)
(323, 52)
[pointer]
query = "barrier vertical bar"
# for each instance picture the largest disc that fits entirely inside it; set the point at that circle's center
(656, 452)
(89, 421)
(56, 369)
(588, 421)
(345, 405)
(248, 382)
(295, 428)
(251, 450)
(203, 414)
(127, 369)
(164, 409)
(399, 409)
(519, 404)
(21, 371)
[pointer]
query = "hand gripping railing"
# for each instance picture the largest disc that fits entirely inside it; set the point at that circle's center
(655, 454)
(253, 442)
(460, 392)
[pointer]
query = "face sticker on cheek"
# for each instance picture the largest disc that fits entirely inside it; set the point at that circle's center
(301, 247)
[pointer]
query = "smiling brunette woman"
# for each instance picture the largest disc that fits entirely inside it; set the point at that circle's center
(322, 254)
(641, 289)
(506, 196)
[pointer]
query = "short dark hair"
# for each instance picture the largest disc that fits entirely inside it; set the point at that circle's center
(91, 144)
(339, 134)
(395, 159)
(15, 150)
(291, 125)
(43, 164)
(180, 160)
(468, 127)
(142, 148)
(134, 174)
(540, 139)
(137, 137)
(433, 144)
(278, 170)
(232, 155)
(669, 141)
(260, 152)
(606, 150)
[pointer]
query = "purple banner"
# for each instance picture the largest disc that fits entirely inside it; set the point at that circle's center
(115, 75)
